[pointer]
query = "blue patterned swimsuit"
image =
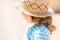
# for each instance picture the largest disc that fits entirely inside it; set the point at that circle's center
(38, 33)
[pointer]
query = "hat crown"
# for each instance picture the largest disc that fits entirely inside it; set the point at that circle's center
(36, 6)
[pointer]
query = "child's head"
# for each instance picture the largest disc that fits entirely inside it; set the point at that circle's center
(42, 20)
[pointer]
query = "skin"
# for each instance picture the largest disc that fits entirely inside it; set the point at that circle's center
(27, 17)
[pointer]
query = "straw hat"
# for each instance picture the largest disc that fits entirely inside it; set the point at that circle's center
(36, 6)
(48, 13)
(42, 5)
(27, 15)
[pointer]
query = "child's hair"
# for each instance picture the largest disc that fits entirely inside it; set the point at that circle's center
(45, 21)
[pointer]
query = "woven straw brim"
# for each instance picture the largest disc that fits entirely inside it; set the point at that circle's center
(48, 13)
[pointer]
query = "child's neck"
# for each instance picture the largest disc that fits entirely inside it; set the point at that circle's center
(36, 24)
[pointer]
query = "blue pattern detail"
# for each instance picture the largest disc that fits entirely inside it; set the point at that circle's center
(38, 33)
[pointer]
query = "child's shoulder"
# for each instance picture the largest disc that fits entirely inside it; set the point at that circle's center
(36, 27)
(32, 27)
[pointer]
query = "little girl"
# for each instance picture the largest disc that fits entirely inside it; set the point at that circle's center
(41, 29)
(38, 12)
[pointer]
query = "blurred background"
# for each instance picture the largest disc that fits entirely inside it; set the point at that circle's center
(55, 5)
(12, 24)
